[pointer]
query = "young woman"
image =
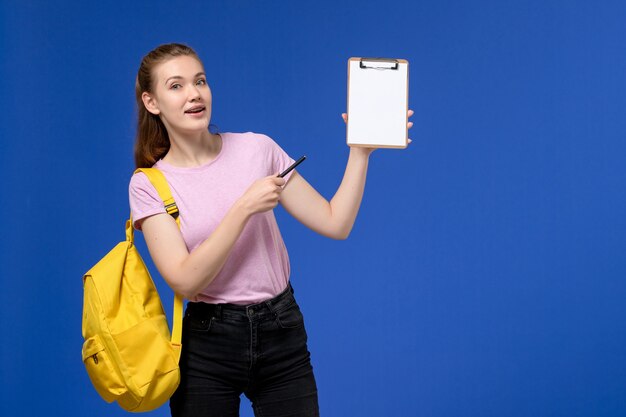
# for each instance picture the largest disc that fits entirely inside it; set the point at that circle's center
(243, 331)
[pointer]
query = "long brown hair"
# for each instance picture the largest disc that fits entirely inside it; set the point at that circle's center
(152, 141)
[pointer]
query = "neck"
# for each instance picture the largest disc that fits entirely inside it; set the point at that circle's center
(193, 149)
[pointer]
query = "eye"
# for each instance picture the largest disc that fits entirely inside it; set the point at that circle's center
(175, 86)
(201, 81)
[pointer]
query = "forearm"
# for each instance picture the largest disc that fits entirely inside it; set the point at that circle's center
(201, 266)
(189, 273)
(344, 206)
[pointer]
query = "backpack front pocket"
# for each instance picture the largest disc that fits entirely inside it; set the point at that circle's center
(103, 375)
(147, 353)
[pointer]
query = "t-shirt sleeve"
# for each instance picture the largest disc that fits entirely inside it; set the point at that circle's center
(144, 199)
(278, 158)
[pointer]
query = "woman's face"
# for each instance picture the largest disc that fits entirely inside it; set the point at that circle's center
(181, 96)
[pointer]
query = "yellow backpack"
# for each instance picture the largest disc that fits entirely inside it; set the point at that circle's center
(128, 352)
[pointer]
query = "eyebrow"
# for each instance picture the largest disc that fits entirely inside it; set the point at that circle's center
(178, 77)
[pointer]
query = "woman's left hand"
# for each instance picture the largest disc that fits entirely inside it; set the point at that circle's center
(370, 150)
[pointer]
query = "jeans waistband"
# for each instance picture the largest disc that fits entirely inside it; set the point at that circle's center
(251, 311)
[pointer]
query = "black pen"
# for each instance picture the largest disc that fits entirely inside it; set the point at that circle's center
(295, 164)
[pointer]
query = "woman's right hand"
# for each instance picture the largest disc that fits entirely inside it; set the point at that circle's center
(263, 195)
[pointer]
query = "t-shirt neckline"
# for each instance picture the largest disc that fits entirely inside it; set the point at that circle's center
(161, 164)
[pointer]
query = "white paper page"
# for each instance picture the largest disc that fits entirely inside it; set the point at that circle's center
(377, 104)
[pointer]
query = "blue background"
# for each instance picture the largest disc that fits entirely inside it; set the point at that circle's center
(485, 275)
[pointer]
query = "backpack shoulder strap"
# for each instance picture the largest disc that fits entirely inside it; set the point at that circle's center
(159, 182)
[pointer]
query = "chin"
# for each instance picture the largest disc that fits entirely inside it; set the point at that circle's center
(196, 127)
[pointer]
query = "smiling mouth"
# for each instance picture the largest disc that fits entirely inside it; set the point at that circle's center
(195, 110)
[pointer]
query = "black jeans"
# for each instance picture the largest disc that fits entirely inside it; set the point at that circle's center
(259, 350)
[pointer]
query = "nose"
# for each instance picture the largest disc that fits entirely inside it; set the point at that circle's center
(194, 93)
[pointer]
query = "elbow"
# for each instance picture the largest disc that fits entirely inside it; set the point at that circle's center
(186, 291)
(181, 288)
(187, 294)
(341, 234)
(184, 286)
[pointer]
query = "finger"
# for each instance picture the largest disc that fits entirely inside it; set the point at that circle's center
(278, 180)
(410, 113)
(409, 125)
(344, 116)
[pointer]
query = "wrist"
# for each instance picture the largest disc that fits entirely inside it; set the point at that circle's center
(241, 209)
(361, 153)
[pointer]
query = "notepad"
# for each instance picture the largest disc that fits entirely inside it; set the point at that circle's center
(378, 98)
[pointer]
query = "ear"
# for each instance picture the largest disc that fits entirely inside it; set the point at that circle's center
(150, 103)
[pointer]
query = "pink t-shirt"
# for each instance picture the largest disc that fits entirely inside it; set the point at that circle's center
(257, 268)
